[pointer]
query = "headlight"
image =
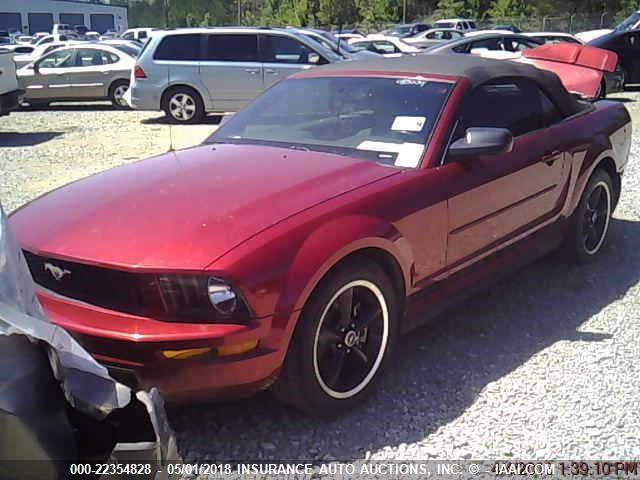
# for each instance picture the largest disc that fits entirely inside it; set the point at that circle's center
(198, 298)
(222, 297)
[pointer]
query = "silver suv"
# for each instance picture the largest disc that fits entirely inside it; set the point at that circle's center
(191, 72)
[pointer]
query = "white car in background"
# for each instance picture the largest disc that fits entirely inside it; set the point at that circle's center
(463, 24)
(475, 33)
(589, 35)
(384, 45)
(433, 36)
(139, 34)
(554, 37)
(348, 36)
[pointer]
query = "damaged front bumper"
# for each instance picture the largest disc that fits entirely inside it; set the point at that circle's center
(58, 407)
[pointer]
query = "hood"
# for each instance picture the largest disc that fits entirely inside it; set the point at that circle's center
(183, 210)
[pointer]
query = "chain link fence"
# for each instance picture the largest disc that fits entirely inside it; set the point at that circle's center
(566, 23)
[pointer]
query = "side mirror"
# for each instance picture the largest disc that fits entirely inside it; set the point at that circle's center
(36, 68)
(313, 58)
(482, 141)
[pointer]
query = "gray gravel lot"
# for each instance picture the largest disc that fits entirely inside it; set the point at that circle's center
(546, 365)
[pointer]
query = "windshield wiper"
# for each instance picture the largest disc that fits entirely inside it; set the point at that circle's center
(299, 147)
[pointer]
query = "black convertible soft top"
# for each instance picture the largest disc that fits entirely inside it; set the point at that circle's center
(476, 69)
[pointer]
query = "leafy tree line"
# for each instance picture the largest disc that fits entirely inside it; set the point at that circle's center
(177, 13)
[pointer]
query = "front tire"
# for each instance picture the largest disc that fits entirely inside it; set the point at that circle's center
(590, 222)
(183, 105)
(343, 340)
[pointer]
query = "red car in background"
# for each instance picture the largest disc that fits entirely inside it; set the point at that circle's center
(289, 250)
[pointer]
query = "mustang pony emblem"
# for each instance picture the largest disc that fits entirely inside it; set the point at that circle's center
(56, 272)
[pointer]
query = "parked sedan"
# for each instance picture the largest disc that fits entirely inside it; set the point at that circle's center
(80, 72)
(554, 37)
(434, 36)
(293, 247)
(506, 42)
(38, 52)
(407, 30)
(383, 45)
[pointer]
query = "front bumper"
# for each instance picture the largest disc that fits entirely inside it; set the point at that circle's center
(132, 348)
(10, 101)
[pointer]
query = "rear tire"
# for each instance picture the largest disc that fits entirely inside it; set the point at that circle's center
(590, 221)
(116, 93)
(183, 105)
(343, 341)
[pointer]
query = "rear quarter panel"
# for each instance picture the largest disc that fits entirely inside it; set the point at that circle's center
(602, 133)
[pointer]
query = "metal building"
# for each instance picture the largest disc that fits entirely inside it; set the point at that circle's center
(31, 16)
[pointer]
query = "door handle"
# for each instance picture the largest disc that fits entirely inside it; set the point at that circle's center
(271, 71)
(551, 157)
(252, 71)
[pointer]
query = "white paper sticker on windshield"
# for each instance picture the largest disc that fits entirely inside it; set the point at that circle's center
(409, 154)
(408, 124)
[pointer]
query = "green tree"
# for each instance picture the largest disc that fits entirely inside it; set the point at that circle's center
(374, 12)
(510, 9)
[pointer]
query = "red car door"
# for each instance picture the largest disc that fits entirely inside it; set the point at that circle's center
(494, 198)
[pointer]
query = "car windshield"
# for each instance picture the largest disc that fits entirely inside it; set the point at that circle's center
(387, 120)
(403, 30)
(629, 22)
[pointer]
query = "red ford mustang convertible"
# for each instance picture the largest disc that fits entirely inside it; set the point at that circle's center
(293, 248)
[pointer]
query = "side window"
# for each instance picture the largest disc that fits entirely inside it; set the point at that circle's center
(520, 106)
(60, 59)
(128, 36)
(518, 45)
(385, 47)
(280, 49)
(109, 58)
(88, 57)
(472, 25)
(465, 48)
(232, 48)
(179, 47)
(142, 34)
(489, 44)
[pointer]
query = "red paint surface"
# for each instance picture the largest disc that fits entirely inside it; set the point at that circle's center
(579, 67)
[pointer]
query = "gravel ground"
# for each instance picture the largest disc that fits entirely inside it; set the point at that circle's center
(44, 149)
(543, 366)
